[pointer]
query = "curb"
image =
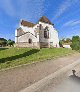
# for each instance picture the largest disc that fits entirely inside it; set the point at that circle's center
(45, 81)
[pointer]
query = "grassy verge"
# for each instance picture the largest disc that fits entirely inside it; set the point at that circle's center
(17, 56)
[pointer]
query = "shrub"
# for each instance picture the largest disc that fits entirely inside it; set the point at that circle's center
(3, 42)
(60, 43)
(75, 43)
(10, 42)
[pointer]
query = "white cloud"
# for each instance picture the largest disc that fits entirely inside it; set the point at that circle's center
(71, 23)
(31, 9)
(7, 7)
(26, 9)
(63, 7)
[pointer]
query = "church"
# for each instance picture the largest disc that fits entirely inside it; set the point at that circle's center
(40, 35)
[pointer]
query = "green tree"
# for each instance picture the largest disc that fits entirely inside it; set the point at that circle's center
(63, 40)
(3, 42)
(75, 43)
(10, 42)
(68, 40)
(61, 43)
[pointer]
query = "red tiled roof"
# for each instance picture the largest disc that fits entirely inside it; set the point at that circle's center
(42, 19)
(25, 23)
(45, 20)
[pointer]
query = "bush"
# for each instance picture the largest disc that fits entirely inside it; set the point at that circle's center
(60, 43)
(10, 42)
(75, 43)
(3, 42)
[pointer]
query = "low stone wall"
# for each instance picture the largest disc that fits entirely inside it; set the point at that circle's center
(34, 45)
(25, 44)
(44, 45)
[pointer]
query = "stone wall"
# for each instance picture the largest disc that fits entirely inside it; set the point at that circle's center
(25, 44)
(44, 45)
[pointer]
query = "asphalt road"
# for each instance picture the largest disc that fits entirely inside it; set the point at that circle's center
(19, 78)
(70, 83)
(62, 80)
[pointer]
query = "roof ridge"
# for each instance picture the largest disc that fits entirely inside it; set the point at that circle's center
(45, 20)
(26, 23)
(26, 33)
(30, 24)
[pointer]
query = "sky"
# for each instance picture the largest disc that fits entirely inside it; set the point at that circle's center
(64, 14)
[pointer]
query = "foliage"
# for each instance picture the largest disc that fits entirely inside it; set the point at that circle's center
(75, 43)
(68, 40)
(63, 41)
(10, 42)
(10, 57)
(3, 42)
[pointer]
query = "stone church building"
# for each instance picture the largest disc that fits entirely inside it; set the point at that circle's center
(40, 35)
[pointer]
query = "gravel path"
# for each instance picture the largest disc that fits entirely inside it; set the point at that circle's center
(13, 80)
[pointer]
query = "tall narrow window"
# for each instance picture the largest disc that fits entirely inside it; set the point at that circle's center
(30, 41)
(46, 33)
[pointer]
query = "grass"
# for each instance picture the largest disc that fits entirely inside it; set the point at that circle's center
(10, 57)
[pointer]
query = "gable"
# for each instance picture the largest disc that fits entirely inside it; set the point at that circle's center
(25, 37)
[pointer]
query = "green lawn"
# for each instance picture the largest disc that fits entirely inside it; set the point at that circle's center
(10, 57)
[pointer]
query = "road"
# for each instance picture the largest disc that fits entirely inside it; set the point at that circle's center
(19, 78)
(70, 83)
(62, 80)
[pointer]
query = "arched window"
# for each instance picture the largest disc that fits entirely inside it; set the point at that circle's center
(30, 41)
(46, 33)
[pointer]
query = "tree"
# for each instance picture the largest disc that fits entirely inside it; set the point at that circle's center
(68, 40)
(63, 40)
(3, 42)
(61, 43)
(10, 42)
(75, 43)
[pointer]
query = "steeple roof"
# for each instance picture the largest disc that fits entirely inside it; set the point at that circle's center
(45, 20)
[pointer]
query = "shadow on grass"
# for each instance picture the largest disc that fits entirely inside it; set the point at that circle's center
(28, 53)
(2, 48)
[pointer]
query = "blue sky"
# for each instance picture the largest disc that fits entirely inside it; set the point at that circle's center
(64, 14)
